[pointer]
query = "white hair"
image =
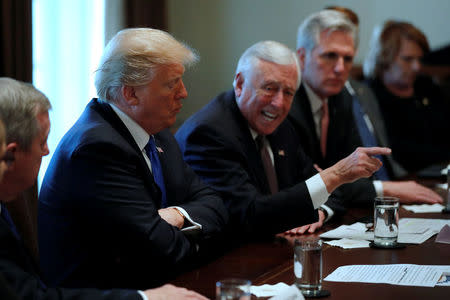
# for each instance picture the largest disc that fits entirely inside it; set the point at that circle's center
(270, 51)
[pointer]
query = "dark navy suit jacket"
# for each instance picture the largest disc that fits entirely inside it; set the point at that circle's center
(98, 207)
(217, 143)
(22, 275)
(342, 139)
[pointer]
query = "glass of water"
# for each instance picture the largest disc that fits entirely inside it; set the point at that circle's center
(386, 221)
(233, 289)
(308, 266)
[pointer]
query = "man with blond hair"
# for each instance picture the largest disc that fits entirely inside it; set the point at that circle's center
(25, 110)
(118, 206)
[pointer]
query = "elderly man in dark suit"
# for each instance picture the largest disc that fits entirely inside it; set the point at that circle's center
(322, 110)
(25, 110)
(242, 146)
(118, 200)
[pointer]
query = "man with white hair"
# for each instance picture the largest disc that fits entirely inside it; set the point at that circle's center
(241, 145)
(118, 206)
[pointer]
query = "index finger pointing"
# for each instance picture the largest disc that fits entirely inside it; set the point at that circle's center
(377, 151)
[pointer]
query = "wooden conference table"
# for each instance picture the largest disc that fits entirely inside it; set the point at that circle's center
(271, 262)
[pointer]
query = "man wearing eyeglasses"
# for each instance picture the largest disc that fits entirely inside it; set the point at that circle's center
(322, 112)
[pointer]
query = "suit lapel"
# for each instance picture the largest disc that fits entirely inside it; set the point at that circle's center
(105, 110)
(281, 160)
(256, 168)
(301, 113)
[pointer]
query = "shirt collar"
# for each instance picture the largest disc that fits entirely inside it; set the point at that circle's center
(140, 136)
(253, 133)
(314, 100)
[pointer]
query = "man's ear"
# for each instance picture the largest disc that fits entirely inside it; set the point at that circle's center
(12, 149)
(239, 81)
(129, 95)
(301, 53)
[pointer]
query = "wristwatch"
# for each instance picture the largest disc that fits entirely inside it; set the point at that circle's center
(324, 212)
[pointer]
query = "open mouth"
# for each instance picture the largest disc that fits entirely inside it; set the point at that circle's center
(269, 116)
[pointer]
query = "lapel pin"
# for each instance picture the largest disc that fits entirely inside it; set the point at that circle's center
(281, 152)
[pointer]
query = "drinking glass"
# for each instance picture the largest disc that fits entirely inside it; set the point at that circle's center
(308, 266)
(385, 221)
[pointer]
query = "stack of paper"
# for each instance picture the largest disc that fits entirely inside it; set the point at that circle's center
(411, 230)
(398, 274)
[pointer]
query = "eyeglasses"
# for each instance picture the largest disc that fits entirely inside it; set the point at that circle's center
(8, 158)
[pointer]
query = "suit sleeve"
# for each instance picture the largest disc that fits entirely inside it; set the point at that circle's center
(187, 190)
(106, 180)
(221, 165)
(27, 285)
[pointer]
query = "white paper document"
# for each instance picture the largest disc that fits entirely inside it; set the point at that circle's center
(411, 230)
(397, 274)
(279, 291)
(356, 231)
(420, 225)
(349, 243)
(424, 208)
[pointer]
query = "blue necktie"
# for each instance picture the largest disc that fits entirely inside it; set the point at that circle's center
(152, 154)
(367, 137)
(7, 218)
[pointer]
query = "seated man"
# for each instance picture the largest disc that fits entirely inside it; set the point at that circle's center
(117, 199)
(241, 145)
(25, 111)
(322, 110)
(414, 109)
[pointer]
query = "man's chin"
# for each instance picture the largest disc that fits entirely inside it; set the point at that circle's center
(334, 90)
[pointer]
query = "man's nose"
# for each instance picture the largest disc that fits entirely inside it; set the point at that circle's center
(339, 67)
(46, 150)
(278, 99)
(183, 92)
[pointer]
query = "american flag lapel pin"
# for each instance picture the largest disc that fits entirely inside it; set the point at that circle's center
(281, 152)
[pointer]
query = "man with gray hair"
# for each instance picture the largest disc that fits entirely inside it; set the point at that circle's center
(25, 110)
(118, 206)
(322, 112)
(241, 145)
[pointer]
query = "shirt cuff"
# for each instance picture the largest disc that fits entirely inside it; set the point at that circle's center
(195, 225)
(378, 185)
(317, 190)
(144, 297)
(330, 212)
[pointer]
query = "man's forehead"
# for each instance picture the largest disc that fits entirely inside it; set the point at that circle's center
(169, 71)
(336, 38)
(273, 72)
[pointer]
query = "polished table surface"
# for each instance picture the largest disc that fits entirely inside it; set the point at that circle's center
(271, 262)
